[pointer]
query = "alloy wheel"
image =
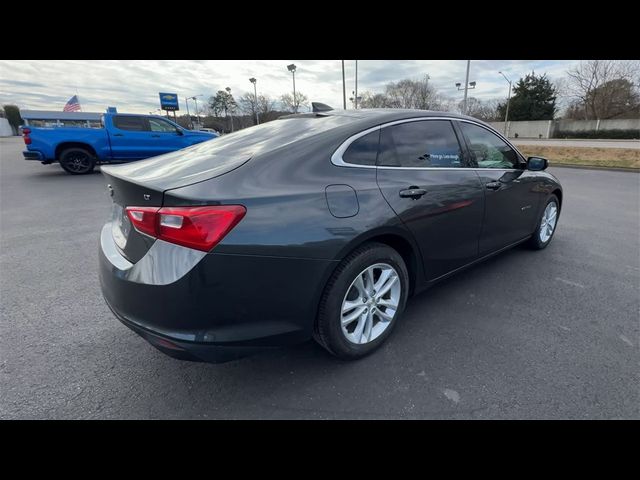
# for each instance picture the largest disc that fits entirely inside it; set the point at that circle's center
(548, 223)
(78, 162)
(371, 303)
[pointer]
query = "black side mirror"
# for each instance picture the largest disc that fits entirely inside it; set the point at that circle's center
(179, 131)
(537, 164)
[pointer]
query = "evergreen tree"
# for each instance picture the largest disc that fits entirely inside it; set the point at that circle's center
(534, 98)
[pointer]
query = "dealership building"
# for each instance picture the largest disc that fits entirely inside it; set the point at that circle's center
(46, 118)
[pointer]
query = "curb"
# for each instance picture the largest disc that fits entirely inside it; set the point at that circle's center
(615, 140)
(594, 167)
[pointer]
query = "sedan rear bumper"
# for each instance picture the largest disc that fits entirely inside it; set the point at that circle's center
(212, 307)
(191, 351)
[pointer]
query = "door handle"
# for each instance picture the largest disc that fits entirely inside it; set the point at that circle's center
(155, 136)
(493, 185)
(118, 135)
(412, 192)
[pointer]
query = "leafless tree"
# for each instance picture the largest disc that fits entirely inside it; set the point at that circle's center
(248, 104)
(483, 110)
(373, 100)
(440, 103)
(593, 84)
(293, 105)
(266, 105)
(409, 93)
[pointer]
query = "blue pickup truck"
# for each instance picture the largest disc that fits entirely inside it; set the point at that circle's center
(122, 138)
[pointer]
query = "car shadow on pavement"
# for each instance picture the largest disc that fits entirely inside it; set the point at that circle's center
(304, 380)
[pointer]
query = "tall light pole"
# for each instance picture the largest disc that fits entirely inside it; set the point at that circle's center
(292, 69)
(344, 89)
(506, 115)
(255, 96)
(195, 100)
(466, 88)
(186, 102)
(354, 99)
(228, 89)
(355, 93)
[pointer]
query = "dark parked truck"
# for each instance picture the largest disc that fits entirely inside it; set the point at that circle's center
(122, 138)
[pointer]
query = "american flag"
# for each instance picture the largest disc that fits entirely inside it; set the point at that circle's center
(73, 105)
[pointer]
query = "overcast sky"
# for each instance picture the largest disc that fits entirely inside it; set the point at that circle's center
(133, 85)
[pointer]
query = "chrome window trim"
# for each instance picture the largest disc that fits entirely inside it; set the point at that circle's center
(468, 169)
(337, 160)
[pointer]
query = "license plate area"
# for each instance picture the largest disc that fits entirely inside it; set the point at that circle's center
(120, 226)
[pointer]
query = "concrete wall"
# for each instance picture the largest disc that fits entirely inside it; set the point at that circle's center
(547, 128)
(5, 128)
(575, 125)
(581, 125)
(529, 129)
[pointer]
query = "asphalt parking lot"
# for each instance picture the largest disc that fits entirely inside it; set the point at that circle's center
(550, 334)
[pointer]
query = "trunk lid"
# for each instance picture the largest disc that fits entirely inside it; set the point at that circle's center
(143, 183)
(131, 243)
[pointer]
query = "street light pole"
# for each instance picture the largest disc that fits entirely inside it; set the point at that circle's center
(466, 87)
(292, 69)
(197, 117)
(506, 115)
(186, 102)
(344, 89)
(195, 99)
(356, 91)
(255, 96)
(228, 89)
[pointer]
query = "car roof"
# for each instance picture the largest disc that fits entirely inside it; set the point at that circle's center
(382, 115)
(317, 130)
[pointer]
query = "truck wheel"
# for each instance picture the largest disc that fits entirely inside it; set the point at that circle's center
(77, 161)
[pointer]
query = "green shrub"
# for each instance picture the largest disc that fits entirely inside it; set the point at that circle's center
(13, 116)
(628, 134)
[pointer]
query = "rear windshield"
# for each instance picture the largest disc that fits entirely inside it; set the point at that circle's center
(276, 133)
(222, 154)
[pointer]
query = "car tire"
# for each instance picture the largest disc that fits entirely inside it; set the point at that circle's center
(77, 161)
(384, 263)
(542, 237)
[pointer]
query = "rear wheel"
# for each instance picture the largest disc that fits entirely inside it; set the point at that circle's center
(546, 225)
(362, 301)
(77, 161)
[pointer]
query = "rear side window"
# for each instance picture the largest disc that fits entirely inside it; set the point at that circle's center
(429, 143)
(126, 122)
(364, 150)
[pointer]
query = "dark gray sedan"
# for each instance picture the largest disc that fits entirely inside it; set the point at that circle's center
(314, 225)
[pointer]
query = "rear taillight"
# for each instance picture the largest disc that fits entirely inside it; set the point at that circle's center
(25, 136)
(144, 219)
(200, 228)
(26, 131)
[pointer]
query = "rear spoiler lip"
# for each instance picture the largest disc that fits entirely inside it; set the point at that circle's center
(159, 187)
